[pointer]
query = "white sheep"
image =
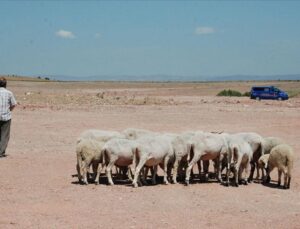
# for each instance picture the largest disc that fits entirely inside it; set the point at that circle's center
(207, 146)
(268, 144)
(256, 143)
(98, 135)
(282, 157)
(152, 151)
(88, 152)
(239, 156)
(118, 152)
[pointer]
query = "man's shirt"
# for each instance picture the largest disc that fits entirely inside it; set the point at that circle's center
(7, 100)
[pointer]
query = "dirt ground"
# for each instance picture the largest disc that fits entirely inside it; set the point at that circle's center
(37, 189)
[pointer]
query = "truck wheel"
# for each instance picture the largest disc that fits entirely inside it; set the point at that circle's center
(279, 98)
(257, 98)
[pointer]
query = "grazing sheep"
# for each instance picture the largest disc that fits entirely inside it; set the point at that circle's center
(282, 157)
(88, 152)
(181, 149)
(207, 146)
(239, 156)
(263, 164)
(98, 135)
(118, 152)
(152, 151)
(256, 143)
(268, 144)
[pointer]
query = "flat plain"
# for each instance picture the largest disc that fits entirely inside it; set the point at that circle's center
(38, 189)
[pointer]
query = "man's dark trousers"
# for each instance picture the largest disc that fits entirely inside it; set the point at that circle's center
(4, 136)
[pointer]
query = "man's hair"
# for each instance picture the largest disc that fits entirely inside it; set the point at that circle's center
(2, 82)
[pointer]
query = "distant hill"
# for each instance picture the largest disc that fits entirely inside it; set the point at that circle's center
(176, 78)
(154, 78)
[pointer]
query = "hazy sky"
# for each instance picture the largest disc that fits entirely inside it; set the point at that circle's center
(187, 38)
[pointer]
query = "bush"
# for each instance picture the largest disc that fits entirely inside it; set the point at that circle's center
(229, 93)
(247, 94)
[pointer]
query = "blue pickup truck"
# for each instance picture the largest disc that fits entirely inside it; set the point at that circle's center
(268, 92)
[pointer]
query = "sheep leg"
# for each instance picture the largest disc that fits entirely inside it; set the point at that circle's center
(190, 166)
(262, 174)
(175, 169)
(289, 182)
(144, 174)
(154, 175)
(279, 177)
(219, 168)
(227, 174)
(166, 160)
(79, 172)
(205, 169)
(129, 173)
(247, 172)
(85, 167)
(237, 172)
(250, 179)
(199, 168)
(140, 165)
(109, 169)
(285, 179)
(83, 173)
(99, 169)
(257, 169)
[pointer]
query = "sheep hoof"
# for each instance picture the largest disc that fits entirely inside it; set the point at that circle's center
(236, 185)
(187, 183)
(226, 184)
(135, 185)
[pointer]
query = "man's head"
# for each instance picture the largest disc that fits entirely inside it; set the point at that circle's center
(2, 82)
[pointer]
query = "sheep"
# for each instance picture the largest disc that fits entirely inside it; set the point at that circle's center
(88, 152)
(207, 146)
(263, 164)
(239, 156)
(256, 143)
(152, 151)
(282, 157)
(181, 149)
(268, 143)
(98, 135)
(118, 152)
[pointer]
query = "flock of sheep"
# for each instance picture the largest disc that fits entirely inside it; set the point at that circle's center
(135, 151)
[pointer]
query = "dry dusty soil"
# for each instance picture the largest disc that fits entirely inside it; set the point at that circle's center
(38, 189)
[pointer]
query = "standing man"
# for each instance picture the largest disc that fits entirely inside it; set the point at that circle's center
(7, 104)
